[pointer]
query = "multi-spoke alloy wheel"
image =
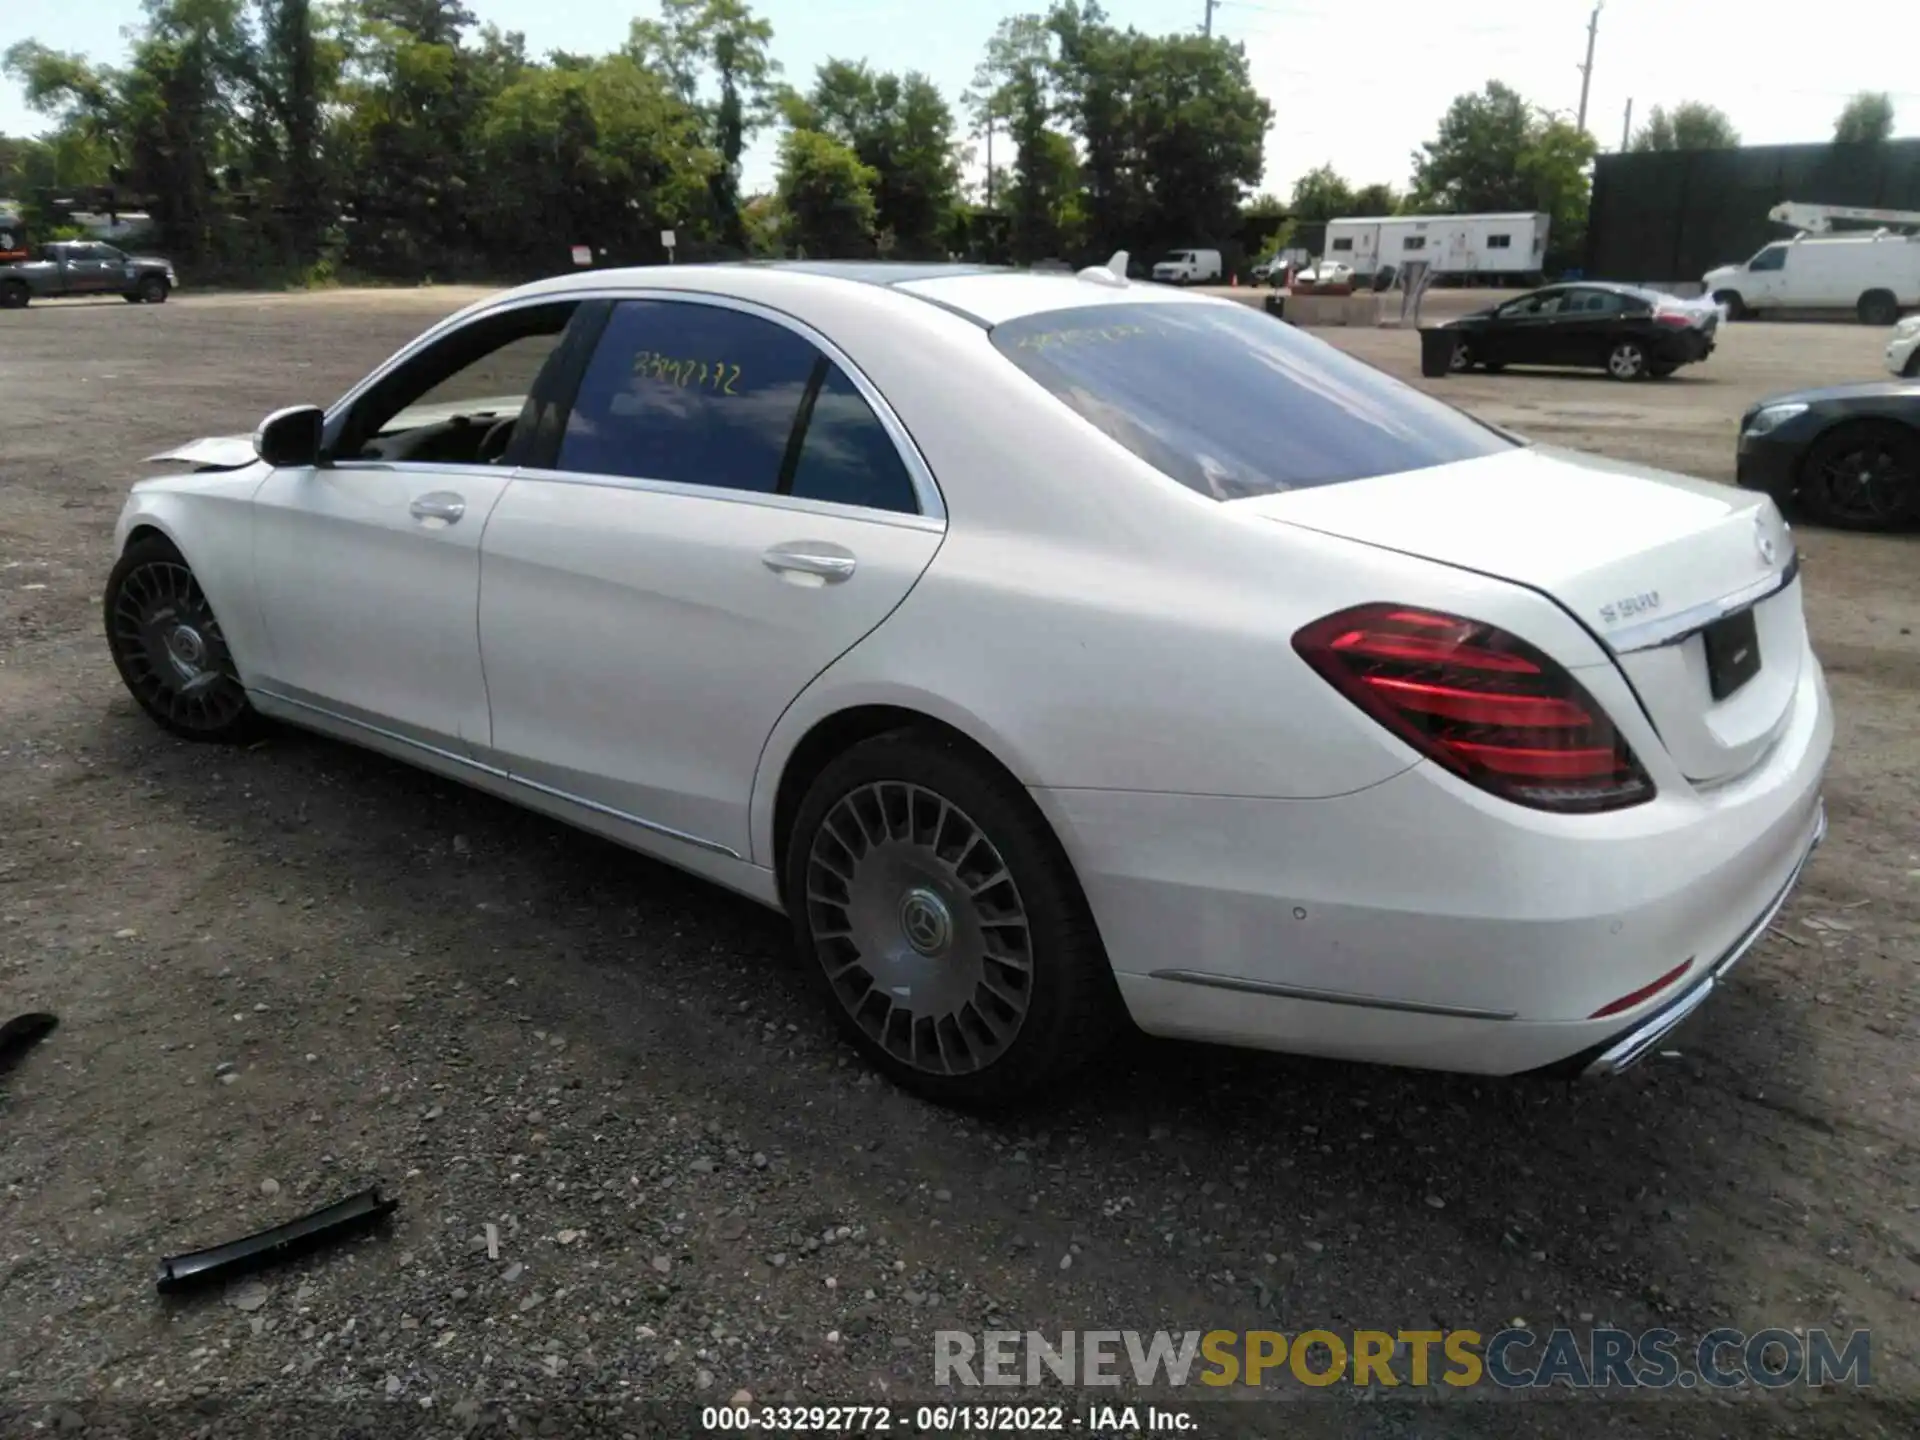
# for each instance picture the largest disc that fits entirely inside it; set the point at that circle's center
(1863, 476)
(168, 647)
(920, 927)
(937, 911)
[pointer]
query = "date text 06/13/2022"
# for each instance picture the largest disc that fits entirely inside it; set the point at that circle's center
(967, 1420)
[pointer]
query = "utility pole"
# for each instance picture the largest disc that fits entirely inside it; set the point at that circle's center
(1212, 5)
(1586, 70)
(1626, 127)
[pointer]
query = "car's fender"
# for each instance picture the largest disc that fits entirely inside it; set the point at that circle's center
(207, 517)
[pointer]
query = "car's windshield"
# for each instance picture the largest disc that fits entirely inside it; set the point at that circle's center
(1232, 402)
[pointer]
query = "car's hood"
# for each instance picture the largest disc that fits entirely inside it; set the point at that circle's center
(1863, 390)
(214, 452)
(158, 261)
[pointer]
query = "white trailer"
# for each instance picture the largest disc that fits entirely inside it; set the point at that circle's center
(1495, 247)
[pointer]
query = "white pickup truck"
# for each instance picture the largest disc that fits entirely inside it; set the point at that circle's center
(1189, 267)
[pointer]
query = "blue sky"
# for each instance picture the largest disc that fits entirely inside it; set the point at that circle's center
(1359, 85)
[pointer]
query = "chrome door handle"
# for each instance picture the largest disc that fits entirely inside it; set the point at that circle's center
(440, 505)
(832, 563)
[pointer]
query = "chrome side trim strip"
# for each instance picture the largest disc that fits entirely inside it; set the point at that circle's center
(1326, 997)
(1633, 1046)
(1683, 625)
(495, 773)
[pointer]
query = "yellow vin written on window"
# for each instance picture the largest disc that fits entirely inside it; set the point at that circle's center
(718, 376)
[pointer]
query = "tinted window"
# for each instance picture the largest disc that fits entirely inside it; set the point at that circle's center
(1499, 242)
(1774, 257)
(1345, 243)
(1232, 402)
(691, 393)
(1599, 302)
(848, 456)
(1414, 242)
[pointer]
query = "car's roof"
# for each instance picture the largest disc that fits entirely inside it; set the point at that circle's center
(987, 295)
(1617, 287)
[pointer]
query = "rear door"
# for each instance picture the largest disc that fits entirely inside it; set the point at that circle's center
(729, 508)
(1591, 323)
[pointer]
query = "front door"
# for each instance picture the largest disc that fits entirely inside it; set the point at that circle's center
(367, 567)
(726, 513)
(94, 270)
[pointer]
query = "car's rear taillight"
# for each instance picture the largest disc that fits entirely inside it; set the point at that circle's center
(1675, 319)
(1484, 703)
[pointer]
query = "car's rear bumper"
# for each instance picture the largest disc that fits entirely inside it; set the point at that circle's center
(1421, 923)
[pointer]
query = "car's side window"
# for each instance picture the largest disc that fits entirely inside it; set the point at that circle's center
(847, 456)
(1774, 257)
(697, 394)
(701, 394)
(459, 400)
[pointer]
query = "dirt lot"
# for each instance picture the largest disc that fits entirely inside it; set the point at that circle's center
(284, 971)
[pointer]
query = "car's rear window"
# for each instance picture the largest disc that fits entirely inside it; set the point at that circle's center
(1233, 402)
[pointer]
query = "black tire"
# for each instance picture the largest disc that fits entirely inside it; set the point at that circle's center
(168, 648)
(1494, 367)
(1627, 360)
(14, 295)
(1662, 371)
(964, 885)
(1878, 307)
(1912, 372)
(1863, 476)
(1730, 301)
(152, 290)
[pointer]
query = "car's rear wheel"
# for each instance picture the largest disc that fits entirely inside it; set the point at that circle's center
(934, 907)
(152, 290)
(168, 647)
(14, 295)
(1627, 360)
(1878, 307)
(1863, 476)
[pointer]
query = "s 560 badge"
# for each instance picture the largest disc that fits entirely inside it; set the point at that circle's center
(1629, 606)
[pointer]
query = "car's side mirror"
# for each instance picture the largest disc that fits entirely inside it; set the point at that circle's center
(290, 439)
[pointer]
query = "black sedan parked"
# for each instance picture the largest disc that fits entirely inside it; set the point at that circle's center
(1846, 456)
(1628, 332)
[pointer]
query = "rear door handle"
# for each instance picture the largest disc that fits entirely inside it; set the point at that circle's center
(831, 563)
(440, 505)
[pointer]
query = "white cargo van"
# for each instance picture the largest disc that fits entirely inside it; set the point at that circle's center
(1189, 267)
(1874, 276)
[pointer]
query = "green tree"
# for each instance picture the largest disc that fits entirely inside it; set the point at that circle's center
(1867, 119)
(826, 196)
(1170, 129)
(902, 129)
(721, 46)
(1690, 125)
(1376, 199)
(1321, 195)
(1494, 152)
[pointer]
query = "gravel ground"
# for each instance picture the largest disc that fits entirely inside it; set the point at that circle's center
(286, 971)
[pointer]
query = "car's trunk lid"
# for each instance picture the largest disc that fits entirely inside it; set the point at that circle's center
(1641, 558)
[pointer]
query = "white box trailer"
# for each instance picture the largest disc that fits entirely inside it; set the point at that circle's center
(1497, 247)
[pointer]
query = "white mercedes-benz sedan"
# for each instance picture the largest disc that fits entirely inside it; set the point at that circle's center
(1055, 652)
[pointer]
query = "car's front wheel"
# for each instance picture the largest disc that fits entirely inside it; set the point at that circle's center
(934, 907)
(1627, 360)
(167, 646)
(1863, 476)
(152, 290)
